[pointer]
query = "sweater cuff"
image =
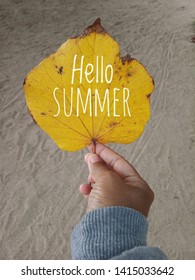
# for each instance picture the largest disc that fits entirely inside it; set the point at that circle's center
(107, 232)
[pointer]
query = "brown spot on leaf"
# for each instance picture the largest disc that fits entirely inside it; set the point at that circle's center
(43, 114)
(112, 124)
(34, 121)
(148, 95)
(126, 58)
(193, 39)
(59, 69)
(24, 82)
(29, 111)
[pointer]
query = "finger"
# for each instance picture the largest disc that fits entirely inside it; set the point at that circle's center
(86, 157)
(90, 179)
(96, 167)
(96, 159)
(85, 189)
(116, 162)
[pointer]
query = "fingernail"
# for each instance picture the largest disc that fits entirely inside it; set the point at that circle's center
(93, 158)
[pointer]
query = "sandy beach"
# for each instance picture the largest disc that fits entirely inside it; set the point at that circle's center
(39, 198)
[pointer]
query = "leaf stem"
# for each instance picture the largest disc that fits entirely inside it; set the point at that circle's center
(93, 146)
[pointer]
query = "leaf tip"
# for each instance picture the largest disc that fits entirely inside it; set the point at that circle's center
(95, 27)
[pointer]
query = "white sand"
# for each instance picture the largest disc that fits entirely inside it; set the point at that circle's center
(39, 198)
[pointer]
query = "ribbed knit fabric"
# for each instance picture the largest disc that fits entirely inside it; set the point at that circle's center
(112, 232)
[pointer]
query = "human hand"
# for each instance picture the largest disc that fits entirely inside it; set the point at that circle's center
(114, 182)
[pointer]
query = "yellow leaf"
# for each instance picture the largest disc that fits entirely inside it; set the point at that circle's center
(86, 92)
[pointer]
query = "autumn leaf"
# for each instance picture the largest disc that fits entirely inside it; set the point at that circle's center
(86, 92)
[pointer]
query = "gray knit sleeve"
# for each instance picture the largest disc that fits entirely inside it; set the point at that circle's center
(112, 233)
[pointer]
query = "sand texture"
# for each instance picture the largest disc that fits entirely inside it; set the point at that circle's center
(39, 198)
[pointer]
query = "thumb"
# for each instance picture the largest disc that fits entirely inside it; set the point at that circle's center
(96, 167)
